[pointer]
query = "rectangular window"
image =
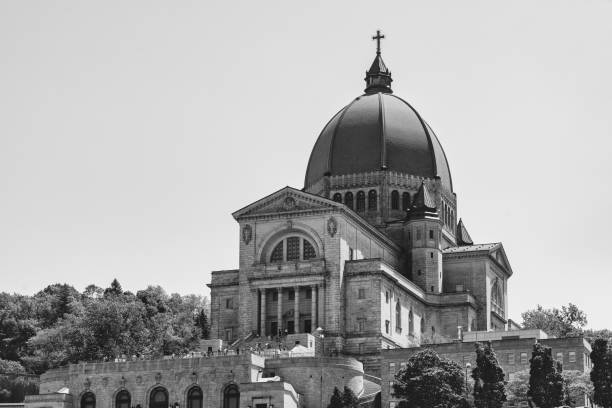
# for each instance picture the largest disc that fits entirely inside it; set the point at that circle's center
(572, 357)
(510, 358)
(431, 234)
(387, 324)
(466, 359)
(402, 366)
(275, 296)
(387, 296)
(361, 294)
(292, 295)
(309, 293)
(392, 367)
(229, 303)
(228, 334)
(361, 325)
(559, 356)
(293, 249)
(523, 358)
(418, 235)
(350, 254)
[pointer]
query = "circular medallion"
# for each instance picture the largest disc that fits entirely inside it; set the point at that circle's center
(289, 203)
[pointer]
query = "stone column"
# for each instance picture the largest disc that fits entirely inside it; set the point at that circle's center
(279, 311)
(313, 307)
(296, 309)
(262, 317)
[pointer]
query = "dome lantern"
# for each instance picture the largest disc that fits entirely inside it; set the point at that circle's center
(378, 77)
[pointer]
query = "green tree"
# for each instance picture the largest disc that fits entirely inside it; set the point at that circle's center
(601, 373)
(349, 399)
(517, 387)
(576, 384)
(115, 289)
(336, 400)
(489, 383)
(545, 380)
(201, 321)
(565, 322)
(430, 381)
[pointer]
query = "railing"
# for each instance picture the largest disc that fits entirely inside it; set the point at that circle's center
(497, 309)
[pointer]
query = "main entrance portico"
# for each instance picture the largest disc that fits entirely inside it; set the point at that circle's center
(288, 309)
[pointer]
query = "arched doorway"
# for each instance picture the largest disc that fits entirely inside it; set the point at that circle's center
(231, 396)
(123, 399)
(88, 400)
(194, 397)
(158, 398)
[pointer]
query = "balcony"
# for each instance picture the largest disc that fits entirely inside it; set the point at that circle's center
(315, 267)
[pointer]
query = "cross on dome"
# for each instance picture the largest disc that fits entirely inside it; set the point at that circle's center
(378, 37)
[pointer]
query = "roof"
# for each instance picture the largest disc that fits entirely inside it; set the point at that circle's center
(494, 250)
(463, 237)
(378, 131)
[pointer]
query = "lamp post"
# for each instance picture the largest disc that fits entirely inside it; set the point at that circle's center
(467, 367)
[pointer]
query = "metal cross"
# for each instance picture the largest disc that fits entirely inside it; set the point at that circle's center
(378, 37)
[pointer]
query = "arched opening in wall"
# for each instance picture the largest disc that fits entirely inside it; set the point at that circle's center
(372, 200)
(291, 249)
(422, 325)
(348, 200)
(123, 399)
(360, 201)
(158, 398)
(231, 396)
(88, 400)
(398, 316)
(194, 397)
(337, 197)
(394, 200)
(410, 323)
(405, 201)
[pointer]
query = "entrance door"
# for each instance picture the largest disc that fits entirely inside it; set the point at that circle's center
(307, 326)
(274, 328)
(290, 326)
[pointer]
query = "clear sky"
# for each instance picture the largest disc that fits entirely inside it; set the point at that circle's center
(130, 130)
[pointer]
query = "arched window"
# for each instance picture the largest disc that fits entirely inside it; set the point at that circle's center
(405, 201)
(410, 323)
(123, 399)
(158, 398)
(394, 200)
(337, 197)
(293, 249)
(194, 397)
(360, 201)
(231, 396)
(88, 400)
(398, 315)
(372, 200)
(422, 325)
(348, 200)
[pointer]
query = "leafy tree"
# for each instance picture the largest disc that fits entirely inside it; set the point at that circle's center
(430, 381)
(349, 399)
(545, 380)
(93, 292)
(336, 400)
(565, 322)
(601, 373)
(201, 322)
(489, 384)
(115, 289)
(576, 384)
(590, 335)
(517, 387)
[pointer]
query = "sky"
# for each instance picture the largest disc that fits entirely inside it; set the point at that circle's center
(130, 131)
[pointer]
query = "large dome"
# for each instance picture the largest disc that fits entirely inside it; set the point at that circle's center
(378, 131)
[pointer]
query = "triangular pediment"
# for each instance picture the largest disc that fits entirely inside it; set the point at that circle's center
(500, 256)
(286, 200)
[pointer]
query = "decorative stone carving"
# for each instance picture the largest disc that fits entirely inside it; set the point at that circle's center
(122, 381)
(158, 378)
(87, 384)
(194, 377)
(105, 381)
(332, 226)
(247, 234)
(139, 380)
(289, 203)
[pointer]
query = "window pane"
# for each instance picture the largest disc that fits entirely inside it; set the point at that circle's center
(293, 248)
(360, 201)
(372, 201)
(309, 251)
(277, 253)
(394, 200)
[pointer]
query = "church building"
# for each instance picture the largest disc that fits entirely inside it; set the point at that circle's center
(368, 257)
(370, 251)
